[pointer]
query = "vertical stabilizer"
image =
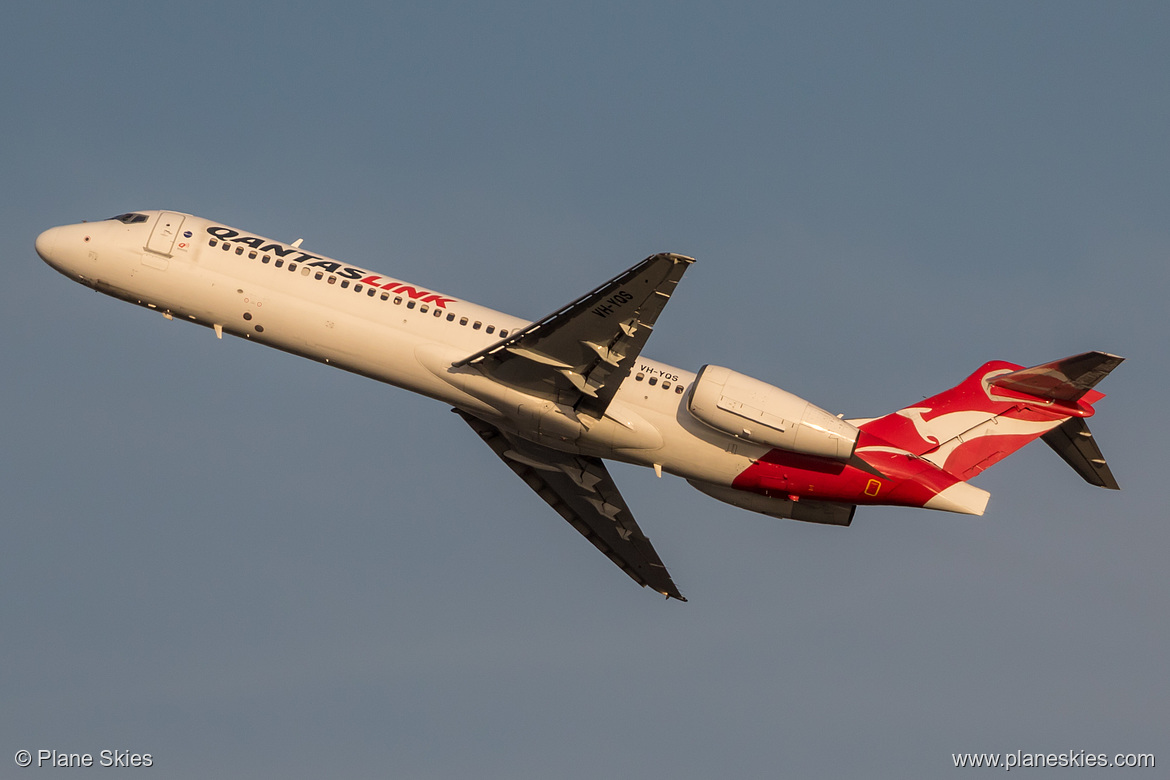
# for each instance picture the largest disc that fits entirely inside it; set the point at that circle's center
(1000, 408)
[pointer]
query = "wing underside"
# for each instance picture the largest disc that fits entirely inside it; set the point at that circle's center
(581, 490)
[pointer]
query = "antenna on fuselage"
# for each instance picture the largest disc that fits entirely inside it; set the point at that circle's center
(297, 244)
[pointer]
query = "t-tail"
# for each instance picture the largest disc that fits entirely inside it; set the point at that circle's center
(996, 411)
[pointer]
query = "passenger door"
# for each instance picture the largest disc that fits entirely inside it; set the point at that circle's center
(166, 230)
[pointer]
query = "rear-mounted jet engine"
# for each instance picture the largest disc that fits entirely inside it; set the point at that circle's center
(756, 411)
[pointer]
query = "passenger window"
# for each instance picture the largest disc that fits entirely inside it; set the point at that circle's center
(397, 300)
(666, 384)
(451, 317)
(653, 381)
(462, 320)
(490, 328)
(239, 250)
(503, 334)
(319, 275)
(357, 288)
(372, 292)
(266, 258)
(385, 296)
(292, 266)
(213, 242)
(477, 326)
(410, 304)
(678, 389)
(305, 271)
(640, 377)
(226, 246)
(423, 309)
(332, 279)
(438, 312)
(252, 255)
(279, 262)
(344, 282)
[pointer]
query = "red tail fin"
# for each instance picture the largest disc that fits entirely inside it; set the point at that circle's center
(996, 411)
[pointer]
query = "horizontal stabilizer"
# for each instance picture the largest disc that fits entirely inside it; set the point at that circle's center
(1063, 380)
(1073, 442)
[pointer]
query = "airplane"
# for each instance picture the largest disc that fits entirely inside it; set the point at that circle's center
(556, 397)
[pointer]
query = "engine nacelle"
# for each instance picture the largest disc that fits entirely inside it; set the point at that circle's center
(758, 412)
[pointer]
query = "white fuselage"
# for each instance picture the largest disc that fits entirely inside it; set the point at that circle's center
(379, 327)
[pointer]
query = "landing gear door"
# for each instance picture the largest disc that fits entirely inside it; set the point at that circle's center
(166, 230)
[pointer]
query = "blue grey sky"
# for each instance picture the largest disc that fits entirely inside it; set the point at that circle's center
(250, 565)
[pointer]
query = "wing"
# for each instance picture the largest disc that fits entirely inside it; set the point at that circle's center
(581, 490)
(579, 355)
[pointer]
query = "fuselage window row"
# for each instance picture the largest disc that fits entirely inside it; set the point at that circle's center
(371, 291)
(678, 388)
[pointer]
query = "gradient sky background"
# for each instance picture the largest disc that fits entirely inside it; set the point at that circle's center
(249, 565)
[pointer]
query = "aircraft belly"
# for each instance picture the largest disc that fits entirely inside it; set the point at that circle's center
(685, 454)
(179, 288)
(536, 419)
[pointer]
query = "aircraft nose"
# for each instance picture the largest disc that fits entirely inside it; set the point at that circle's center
(46, 243)
(64, 248)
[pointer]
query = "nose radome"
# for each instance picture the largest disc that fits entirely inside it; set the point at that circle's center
(47, 242)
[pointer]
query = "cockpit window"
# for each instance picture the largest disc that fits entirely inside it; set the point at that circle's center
(130, 219)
